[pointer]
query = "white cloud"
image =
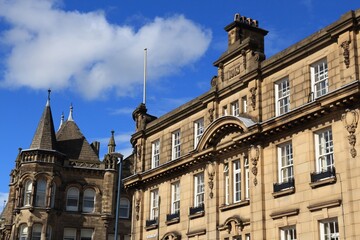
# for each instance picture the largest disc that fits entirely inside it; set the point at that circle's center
(51, 47)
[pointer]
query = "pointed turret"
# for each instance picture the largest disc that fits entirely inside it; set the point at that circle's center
(70, 118)
(111, 145)
(62, 120)
(45, 137)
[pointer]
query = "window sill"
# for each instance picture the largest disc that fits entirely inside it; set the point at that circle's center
(284, 192)
(235, 205)
(197, 215)
(322, 182)
(173, 221)
(151, 227)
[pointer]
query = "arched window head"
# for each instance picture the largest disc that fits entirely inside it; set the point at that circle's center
(89, 200)
(40, 193)
(124, 208)
(72, 199)
(23, 232)
(36, 232)
(27, 193)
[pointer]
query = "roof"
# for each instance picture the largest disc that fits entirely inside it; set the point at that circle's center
(72, 143)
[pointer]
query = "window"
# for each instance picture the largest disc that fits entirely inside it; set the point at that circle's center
(69, 234)
(154, 204)
(155, 151)
(324, 151)
(36, 232)
(329, 230)
(198, 131)
(89, 200)
(224, 111)
(23, 232)
(282, 96)
(247, 177)
(235, 108)
(319, 78)
(40, 193)
(285, 163)
(72, 199)
(176, 144)
(237, 181)
(199, 189)
(244, 104)
(124, 208)
(53, 195)
(27, 193)
(226, 179)
(288, 233)
(175, 197)
(247, 236)
(86, 234)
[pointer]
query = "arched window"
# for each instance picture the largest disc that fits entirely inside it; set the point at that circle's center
(124, 208)
(36, 232)
(72, 199)
(23, 232)
(27, 193)
(53, 195)
(40, 193)
(89, 200)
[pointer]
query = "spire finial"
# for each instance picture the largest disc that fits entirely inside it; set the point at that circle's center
(111, 145)
(70, 118)
(62, 120)
(48, 99)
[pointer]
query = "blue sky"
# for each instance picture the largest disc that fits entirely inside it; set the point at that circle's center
(90, 53)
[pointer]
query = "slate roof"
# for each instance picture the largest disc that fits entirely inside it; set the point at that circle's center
(44, 137)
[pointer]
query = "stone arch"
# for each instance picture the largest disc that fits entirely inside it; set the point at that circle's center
(171, 236)
(233, 225)
(220, 128)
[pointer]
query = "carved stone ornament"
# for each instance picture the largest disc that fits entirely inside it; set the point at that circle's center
(137, 203)
(253, 97)
(254, 154)
(221, 70)
(243, 54)
(211, 172)
(346, 53)
(350, 120)
(211, 114)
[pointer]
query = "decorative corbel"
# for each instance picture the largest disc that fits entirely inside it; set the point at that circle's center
(243, 54)
(137, 203)
(211, 114)
(254, 155)
(211, 173)
(346, 53)
(350, 120)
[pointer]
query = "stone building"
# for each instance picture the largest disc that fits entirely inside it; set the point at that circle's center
(59, 188)
(269, 152)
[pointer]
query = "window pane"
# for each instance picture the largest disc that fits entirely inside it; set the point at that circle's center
(86, 234)
(27, 193)
(40, 193)
(124, 208)
(69, 234)
(36, 232)
(89, 200)
(72, 199)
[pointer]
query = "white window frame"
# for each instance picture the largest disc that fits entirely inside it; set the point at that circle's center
(319, 78)
(40, 198)
(69, 234)
(285, 162)
(124, 211)
(235, 111)
(154, 204)
(288, 233)
(155, 153)
(23, 232)
(86, 234)
(198, 131)
(282, 96)
(247, 177)
(227, 184)
(36, 231)
(324, 150)
(244, 104)
(28, 188)
(199, 189)
(329, 229)
(175, 197)
(89, 200)
(236, 181)
(176, 145)
(72, 194)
